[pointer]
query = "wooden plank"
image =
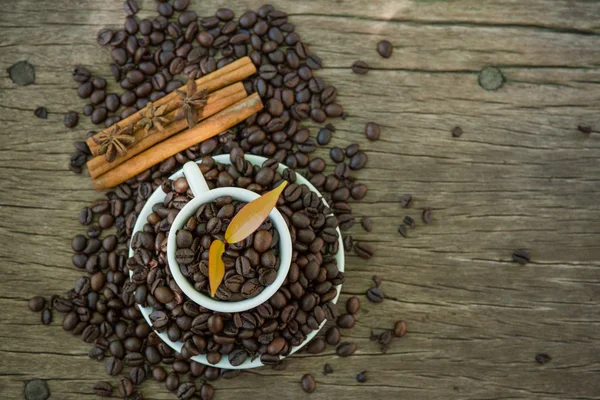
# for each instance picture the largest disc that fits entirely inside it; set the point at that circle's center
(521, 175)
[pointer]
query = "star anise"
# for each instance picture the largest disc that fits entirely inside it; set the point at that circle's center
(117, 140)
(191, 100)
(153, 117)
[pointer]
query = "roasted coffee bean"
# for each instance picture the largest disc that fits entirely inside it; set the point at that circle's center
(409, 221)
(46, 317)
(324, 136)
(131, 7)
(372, 131)
(71, 119)
(353, 305)
(104, 36)
(385, 338)
(134, 359)
(346, 349)
(366, 224)
(361, 377)
(238, 357)
(400, 328)
(333, 336)
(542, 358)
(172, 382)
(186, 390)
(406, 200)
(37, 303)
(113, 366)
(384, 48)
(346, 321)
(308, 383)
(316, 346)
(137, 375)
(81, 74)
(360, 67)
(403, 230)
(159, 374)
(125, 387)
(457, 131)
(337, 154)
(206, 392)
(426, 215)
(375, 295)
(103, 389)
(358, 161)
(521, 256)
(41, 112)
(364, 250)
(584, 129)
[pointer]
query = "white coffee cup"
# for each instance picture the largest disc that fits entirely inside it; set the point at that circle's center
(158, 197)
(203, 195)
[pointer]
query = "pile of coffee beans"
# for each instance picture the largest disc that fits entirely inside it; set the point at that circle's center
(152, 57)
(250, 265)
(274, 327)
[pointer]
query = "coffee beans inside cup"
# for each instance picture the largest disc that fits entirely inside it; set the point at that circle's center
(250, 265)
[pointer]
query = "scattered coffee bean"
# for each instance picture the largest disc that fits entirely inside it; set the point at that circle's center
(131, 7)
(37, 303)
(385, 338)
(353, 305)
(346, 321)
(332, 336)
(337, 155)
(372, 131)
(125, 387)
(400, 328)
(426, 215)
(46, 317)
(366, 223)
(410, 222)
(103, 389)
(41, 112)
(324, 136)
(71, 119)
(406, 201)
(375, 295)
(384, 48)
(308, 383)
(360, 67)
(521, 256)
(362, 377)
(542, 358)
(327, 369)
(206, 391)
(585, 129)
(346, 349)
(457, 131)
(377, 280)
(364, 250)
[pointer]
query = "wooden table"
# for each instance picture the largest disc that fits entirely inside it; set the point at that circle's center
(520, 176)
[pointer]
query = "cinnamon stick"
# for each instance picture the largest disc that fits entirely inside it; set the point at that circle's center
(229, 74)
(206, 129)
(216, 102)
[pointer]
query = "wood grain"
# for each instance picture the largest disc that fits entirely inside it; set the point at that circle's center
(520, 176)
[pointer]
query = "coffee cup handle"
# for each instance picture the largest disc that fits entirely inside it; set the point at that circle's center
(195, 178)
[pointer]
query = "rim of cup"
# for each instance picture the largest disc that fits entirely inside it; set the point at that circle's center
(158, 195)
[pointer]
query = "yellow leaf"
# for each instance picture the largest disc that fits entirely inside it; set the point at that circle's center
(216, 266)
(252, 215)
